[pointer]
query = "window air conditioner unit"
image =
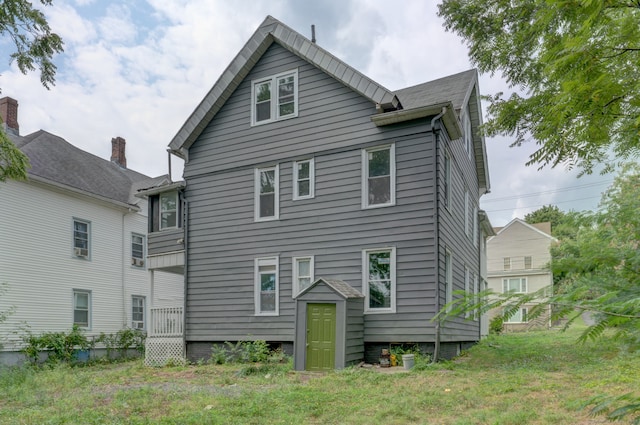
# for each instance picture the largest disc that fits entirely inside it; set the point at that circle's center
(137, 262)
(138, 325)
(81, 252)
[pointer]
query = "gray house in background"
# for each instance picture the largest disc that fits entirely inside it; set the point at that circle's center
(324, 213)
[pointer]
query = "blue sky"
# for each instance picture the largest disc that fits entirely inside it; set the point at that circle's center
(137, 69)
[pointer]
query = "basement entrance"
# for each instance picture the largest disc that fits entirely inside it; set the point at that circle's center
(321, 337)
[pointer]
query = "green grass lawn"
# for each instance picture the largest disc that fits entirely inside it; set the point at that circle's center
(527, 378)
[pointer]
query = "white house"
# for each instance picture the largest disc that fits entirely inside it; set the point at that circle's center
(73, 242)
(517, 261)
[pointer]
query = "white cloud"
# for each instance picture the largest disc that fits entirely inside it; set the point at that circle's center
(138, 70)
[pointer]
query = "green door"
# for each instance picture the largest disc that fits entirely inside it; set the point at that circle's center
(321, 336)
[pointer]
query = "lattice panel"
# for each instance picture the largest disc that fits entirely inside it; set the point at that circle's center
(163, 351)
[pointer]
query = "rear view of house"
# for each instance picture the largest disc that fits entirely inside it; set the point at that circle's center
(325, 213)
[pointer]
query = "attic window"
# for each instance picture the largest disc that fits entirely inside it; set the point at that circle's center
(274, 98)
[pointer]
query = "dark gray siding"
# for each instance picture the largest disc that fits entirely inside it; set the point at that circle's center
(452, 234)
(165, 241)
(354, 338)
(333, 125)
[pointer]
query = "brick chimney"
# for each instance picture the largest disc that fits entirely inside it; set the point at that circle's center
(117, 152)
(9, 115)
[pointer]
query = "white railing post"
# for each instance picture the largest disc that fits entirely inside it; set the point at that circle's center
(166, 321)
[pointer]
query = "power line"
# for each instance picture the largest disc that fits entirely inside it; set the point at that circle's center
(531, 194)
(542, 205)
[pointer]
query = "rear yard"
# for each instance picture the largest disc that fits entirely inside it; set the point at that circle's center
(528, 378)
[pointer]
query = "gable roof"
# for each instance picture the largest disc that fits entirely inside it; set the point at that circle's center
(57, 162)
(340, 287)
(447, 95)
(271, 30)
(537, 229)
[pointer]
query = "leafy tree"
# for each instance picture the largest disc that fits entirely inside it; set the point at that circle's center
(550, 213)
(35, 46)
(600, 269)
(576, 59)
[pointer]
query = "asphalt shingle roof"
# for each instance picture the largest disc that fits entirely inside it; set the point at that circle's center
(453, 88)
(55, 160)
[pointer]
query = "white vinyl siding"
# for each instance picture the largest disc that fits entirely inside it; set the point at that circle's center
(303, 179)
(82, 308)
(379, 280)
(168, 210)
(302, 273)
(267, 287)
(515, 284)
(81, 238)
(378, 177)
(267, 193)
(274, 98)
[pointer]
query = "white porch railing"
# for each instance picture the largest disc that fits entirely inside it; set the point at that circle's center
(166, 322)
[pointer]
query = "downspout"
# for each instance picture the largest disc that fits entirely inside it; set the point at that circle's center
(122, 263)
(436, 132)
(185, 226)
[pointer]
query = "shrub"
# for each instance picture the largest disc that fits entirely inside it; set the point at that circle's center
(60, 346)
(244, 352)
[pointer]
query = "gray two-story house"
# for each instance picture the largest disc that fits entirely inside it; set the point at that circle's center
(323, 212)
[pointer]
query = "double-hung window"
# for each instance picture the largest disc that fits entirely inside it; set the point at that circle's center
(448, 276)
(378, 177)
(468, 132)
(302, 273)
(266, 286)
(137, 312)
(137, 250)
(514, 284)
(475, 226)
(467, 214)
(303, 179)
(379, 280)
(274, 98)
(506, 263)
(267, 193)
(82, 308)
(81, 238)
(527, 262)
(520, 316)
(168, 210)
(467, 286)
(447, 180)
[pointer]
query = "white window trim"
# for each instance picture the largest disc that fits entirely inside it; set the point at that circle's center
(475, 226)
(144, 313)
(274, 97)
(520, 290)
(505, 266)
(530, 262)
(476, 290)
(276, 207)
(467, 214)
(365, 280)
(448, 278)
(75, 251)
(312, 179)
(447, 178)
(266, 261)
(468, 131)
(524, 313)
(294, 264)
(135, 261)
(467, 286)
(177, 210)
(89, 307)
(365, 176)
